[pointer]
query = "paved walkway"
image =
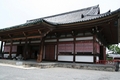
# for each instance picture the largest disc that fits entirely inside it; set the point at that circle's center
(13, 72)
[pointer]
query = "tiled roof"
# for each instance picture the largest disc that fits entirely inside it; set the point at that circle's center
(78, 16)
(20, 26)
(74, 16)
(81, 15)
(71, 17)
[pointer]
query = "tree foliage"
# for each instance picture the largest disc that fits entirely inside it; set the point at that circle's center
(114, 48)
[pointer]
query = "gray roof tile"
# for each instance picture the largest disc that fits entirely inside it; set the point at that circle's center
(71, 17)
(75, 17)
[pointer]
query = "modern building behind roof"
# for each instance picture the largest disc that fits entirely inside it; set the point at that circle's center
(76, 36)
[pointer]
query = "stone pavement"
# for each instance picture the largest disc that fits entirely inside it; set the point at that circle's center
(13, 72)
(45, 64)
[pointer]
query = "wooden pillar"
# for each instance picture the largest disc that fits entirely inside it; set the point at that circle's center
(10, 52)
(1, 48)
(39, 57)
(118, 28)
(25, 50)
(104, 53)
(74, 50)
(101, 52)
(57, 50)
(94, 48)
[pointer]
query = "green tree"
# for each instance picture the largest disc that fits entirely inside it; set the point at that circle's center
(114, 48)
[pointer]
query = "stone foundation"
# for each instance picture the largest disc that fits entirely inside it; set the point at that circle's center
(43, 65)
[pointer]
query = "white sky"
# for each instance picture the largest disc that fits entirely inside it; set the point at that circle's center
(15, 12)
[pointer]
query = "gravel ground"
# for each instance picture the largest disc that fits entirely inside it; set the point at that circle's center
(10, 72)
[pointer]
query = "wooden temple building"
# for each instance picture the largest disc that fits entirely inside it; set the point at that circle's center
(76, 36)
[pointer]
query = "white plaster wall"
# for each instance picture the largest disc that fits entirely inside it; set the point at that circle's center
(16, 42)
(68, 39)
(65, 57)
(35, 41)
(13, 55)
(6, 55)
(44, 53)
(52, 40)
(84, 58)
(84, 38)
(22, 42)
(97, 58)
(55, 51)
(8, 43)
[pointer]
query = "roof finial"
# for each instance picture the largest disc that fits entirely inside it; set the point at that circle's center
(109, 11)
(98, 5)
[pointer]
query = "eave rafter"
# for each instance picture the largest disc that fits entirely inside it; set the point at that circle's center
(39, 31)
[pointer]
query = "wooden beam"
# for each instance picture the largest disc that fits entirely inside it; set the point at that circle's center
(47, 32)
(9, 35)
(37, 36)
(39, 31)
(24, 34)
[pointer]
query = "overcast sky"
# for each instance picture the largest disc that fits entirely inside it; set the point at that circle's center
(15, 12)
